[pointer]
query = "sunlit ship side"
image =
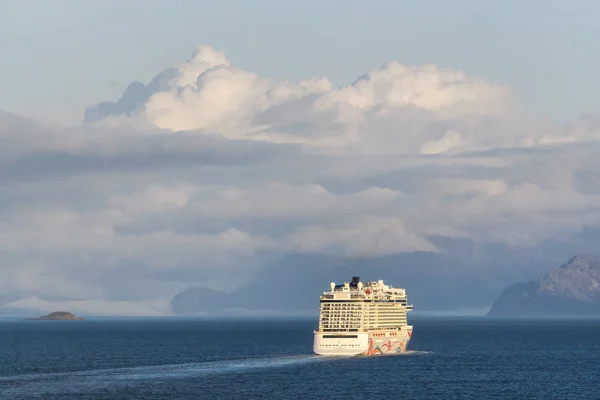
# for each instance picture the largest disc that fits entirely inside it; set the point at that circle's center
(367, 319)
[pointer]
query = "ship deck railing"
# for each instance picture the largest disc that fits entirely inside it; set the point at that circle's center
(382, 328)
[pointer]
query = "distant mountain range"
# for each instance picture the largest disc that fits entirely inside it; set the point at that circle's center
(293, 284)
(434, 281)
(572, 289)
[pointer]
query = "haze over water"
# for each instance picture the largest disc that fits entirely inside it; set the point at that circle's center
(237, 146)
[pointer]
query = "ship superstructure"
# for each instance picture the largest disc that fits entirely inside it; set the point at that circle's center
(362, 318)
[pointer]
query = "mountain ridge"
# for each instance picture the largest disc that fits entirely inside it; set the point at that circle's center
(570, 289)
(434, 282)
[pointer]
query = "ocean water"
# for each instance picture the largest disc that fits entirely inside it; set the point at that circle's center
(272, 359)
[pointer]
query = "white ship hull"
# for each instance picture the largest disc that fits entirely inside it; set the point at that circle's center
(357, 318)
(341, 344)
(384, 342)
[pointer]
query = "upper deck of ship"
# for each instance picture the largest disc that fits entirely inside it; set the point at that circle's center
(357, 291)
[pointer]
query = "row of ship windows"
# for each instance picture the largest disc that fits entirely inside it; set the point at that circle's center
(356, 327)
(356, 319)
(396, 307)
(369, 301)
(373, 318)
(365, 323)
(365, 302)
(365, 309)
(336, 346)
(364, 305)
(361, 299)
(360, 315)
(361, 312)
(328, 307)
(368, 324)
(330, 326)
(349, 325)
(359, 319)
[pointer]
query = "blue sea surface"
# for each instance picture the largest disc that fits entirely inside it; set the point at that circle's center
(174, 358)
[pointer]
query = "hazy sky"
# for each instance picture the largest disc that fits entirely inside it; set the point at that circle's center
(460, 120)
(59, 56)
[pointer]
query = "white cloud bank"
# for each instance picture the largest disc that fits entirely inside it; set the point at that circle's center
(207, 93)
(208, 172)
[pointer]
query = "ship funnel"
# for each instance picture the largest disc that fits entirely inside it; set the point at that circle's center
(332, 286)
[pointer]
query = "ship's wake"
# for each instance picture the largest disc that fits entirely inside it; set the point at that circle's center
(415, 352)
(64, 382)
(31, 385)
(401, 354)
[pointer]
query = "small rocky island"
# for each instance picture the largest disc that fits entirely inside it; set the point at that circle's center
(58, 316)
(573, 289)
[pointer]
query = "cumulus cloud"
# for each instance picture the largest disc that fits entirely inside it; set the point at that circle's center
(208, 173)
(405, 106)
(449, 141)
(365, 237)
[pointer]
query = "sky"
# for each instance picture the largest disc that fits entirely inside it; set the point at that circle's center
(60, 56)
(149, 146)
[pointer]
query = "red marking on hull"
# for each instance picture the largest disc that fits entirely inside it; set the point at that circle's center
(389, 347)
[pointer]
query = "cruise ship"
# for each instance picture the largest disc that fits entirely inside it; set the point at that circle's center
(359, 318)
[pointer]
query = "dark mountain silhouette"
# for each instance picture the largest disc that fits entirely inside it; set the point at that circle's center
(570, 290)
(433, 281)
(58, 316)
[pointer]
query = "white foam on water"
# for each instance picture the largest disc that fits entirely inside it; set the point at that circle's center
(401, 354)
(415, 352)
(77, 381)
(99, 378)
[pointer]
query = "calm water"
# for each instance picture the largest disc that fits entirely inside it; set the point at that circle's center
(272, 359)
